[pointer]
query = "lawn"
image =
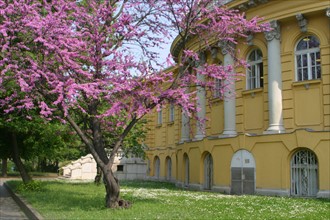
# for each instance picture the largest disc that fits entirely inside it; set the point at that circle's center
(63, 200)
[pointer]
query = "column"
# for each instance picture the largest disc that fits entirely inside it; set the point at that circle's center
(200, 103)
(274, 80)
(229, 97)
(185, 128)
(185, 122)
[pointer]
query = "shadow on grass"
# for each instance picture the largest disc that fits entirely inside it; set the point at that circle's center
(65, 196)
(149, 184)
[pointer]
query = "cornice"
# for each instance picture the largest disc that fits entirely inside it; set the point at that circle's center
(242, 5)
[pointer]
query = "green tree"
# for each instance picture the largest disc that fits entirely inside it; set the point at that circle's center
(39, 141)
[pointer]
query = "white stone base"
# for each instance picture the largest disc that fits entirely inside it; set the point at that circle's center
(221, 189)
(199, 137)
(228, 134)
(323, 194)
(196, 187)
(275, 129)
(272, 192)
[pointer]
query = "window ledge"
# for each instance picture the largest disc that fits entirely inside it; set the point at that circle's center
(170, 123)
(252, 92)
(158, 125)
(306, 83)
(216, 99)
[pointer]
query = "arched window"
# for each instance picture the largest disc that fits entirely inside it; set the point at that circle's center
(171, 112)
(208, 171)
(308, 59)
(159, 117)
(157, 167)
(168, 169)
(304, 177)
(217, 93)
(186, 170)
(255, 72)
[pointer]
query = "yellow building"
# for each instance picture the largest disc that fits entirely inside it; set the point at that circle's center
(273, 138)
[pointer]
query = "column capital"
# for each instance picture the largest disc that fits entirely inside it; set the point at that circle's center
(202, 59)
(214, 53)
(226, 46)
(275, 32)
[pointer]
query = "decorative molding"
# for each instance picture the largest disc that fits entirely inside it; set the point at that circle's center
(249, 39)
(243, 7)
(275, 33)
(302, 22)
(252, 3)
(327, 13)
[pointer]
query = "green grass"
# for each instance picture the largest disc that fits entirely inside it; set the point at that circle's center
(62, 200)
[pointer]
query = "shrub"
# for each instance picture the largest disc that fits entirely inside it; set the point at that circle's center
(33, 185)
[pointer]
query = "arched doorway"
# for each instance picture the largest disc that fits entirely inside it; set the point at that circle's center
(157, 167)
(168, 169)
(242, 173)
(208, 171)
(304, 174)
(186, 170)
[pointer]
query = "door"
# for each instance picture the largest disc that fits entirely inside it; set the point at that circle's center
(208, 171)
(304, 177)
(186, 174)
(157, 167)
(242, 173)
(169, 169)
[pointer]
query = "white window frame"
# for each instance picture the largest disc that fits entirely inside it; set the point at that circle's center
(171, 113)
(160, 117)
(217, 87)
(256, 66)
(308, 53)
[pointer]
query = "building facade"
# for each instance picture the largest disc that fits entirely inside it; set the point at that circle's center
(273, 137)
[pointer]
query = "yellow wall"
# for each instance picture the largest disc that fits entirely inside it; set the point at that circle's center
(306, 113)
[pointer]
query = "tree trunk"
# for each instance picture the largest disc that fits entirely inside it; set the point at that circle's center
(96, 147)
(98, 177)
(112, 188)
(4, 167)
(17, 160)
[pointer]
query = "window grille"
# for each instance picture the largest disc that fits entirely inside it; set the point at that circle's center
(308, 59)
(304, 177)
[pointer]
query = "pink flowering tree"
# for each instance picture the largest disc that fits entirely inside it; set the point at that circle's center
(92, 64)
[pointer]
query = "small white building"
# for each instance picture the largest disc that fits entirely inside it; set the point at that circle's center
(123, 168)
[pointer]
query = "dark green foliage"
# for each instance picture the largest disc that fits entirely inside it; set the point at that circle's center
(32, 186)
